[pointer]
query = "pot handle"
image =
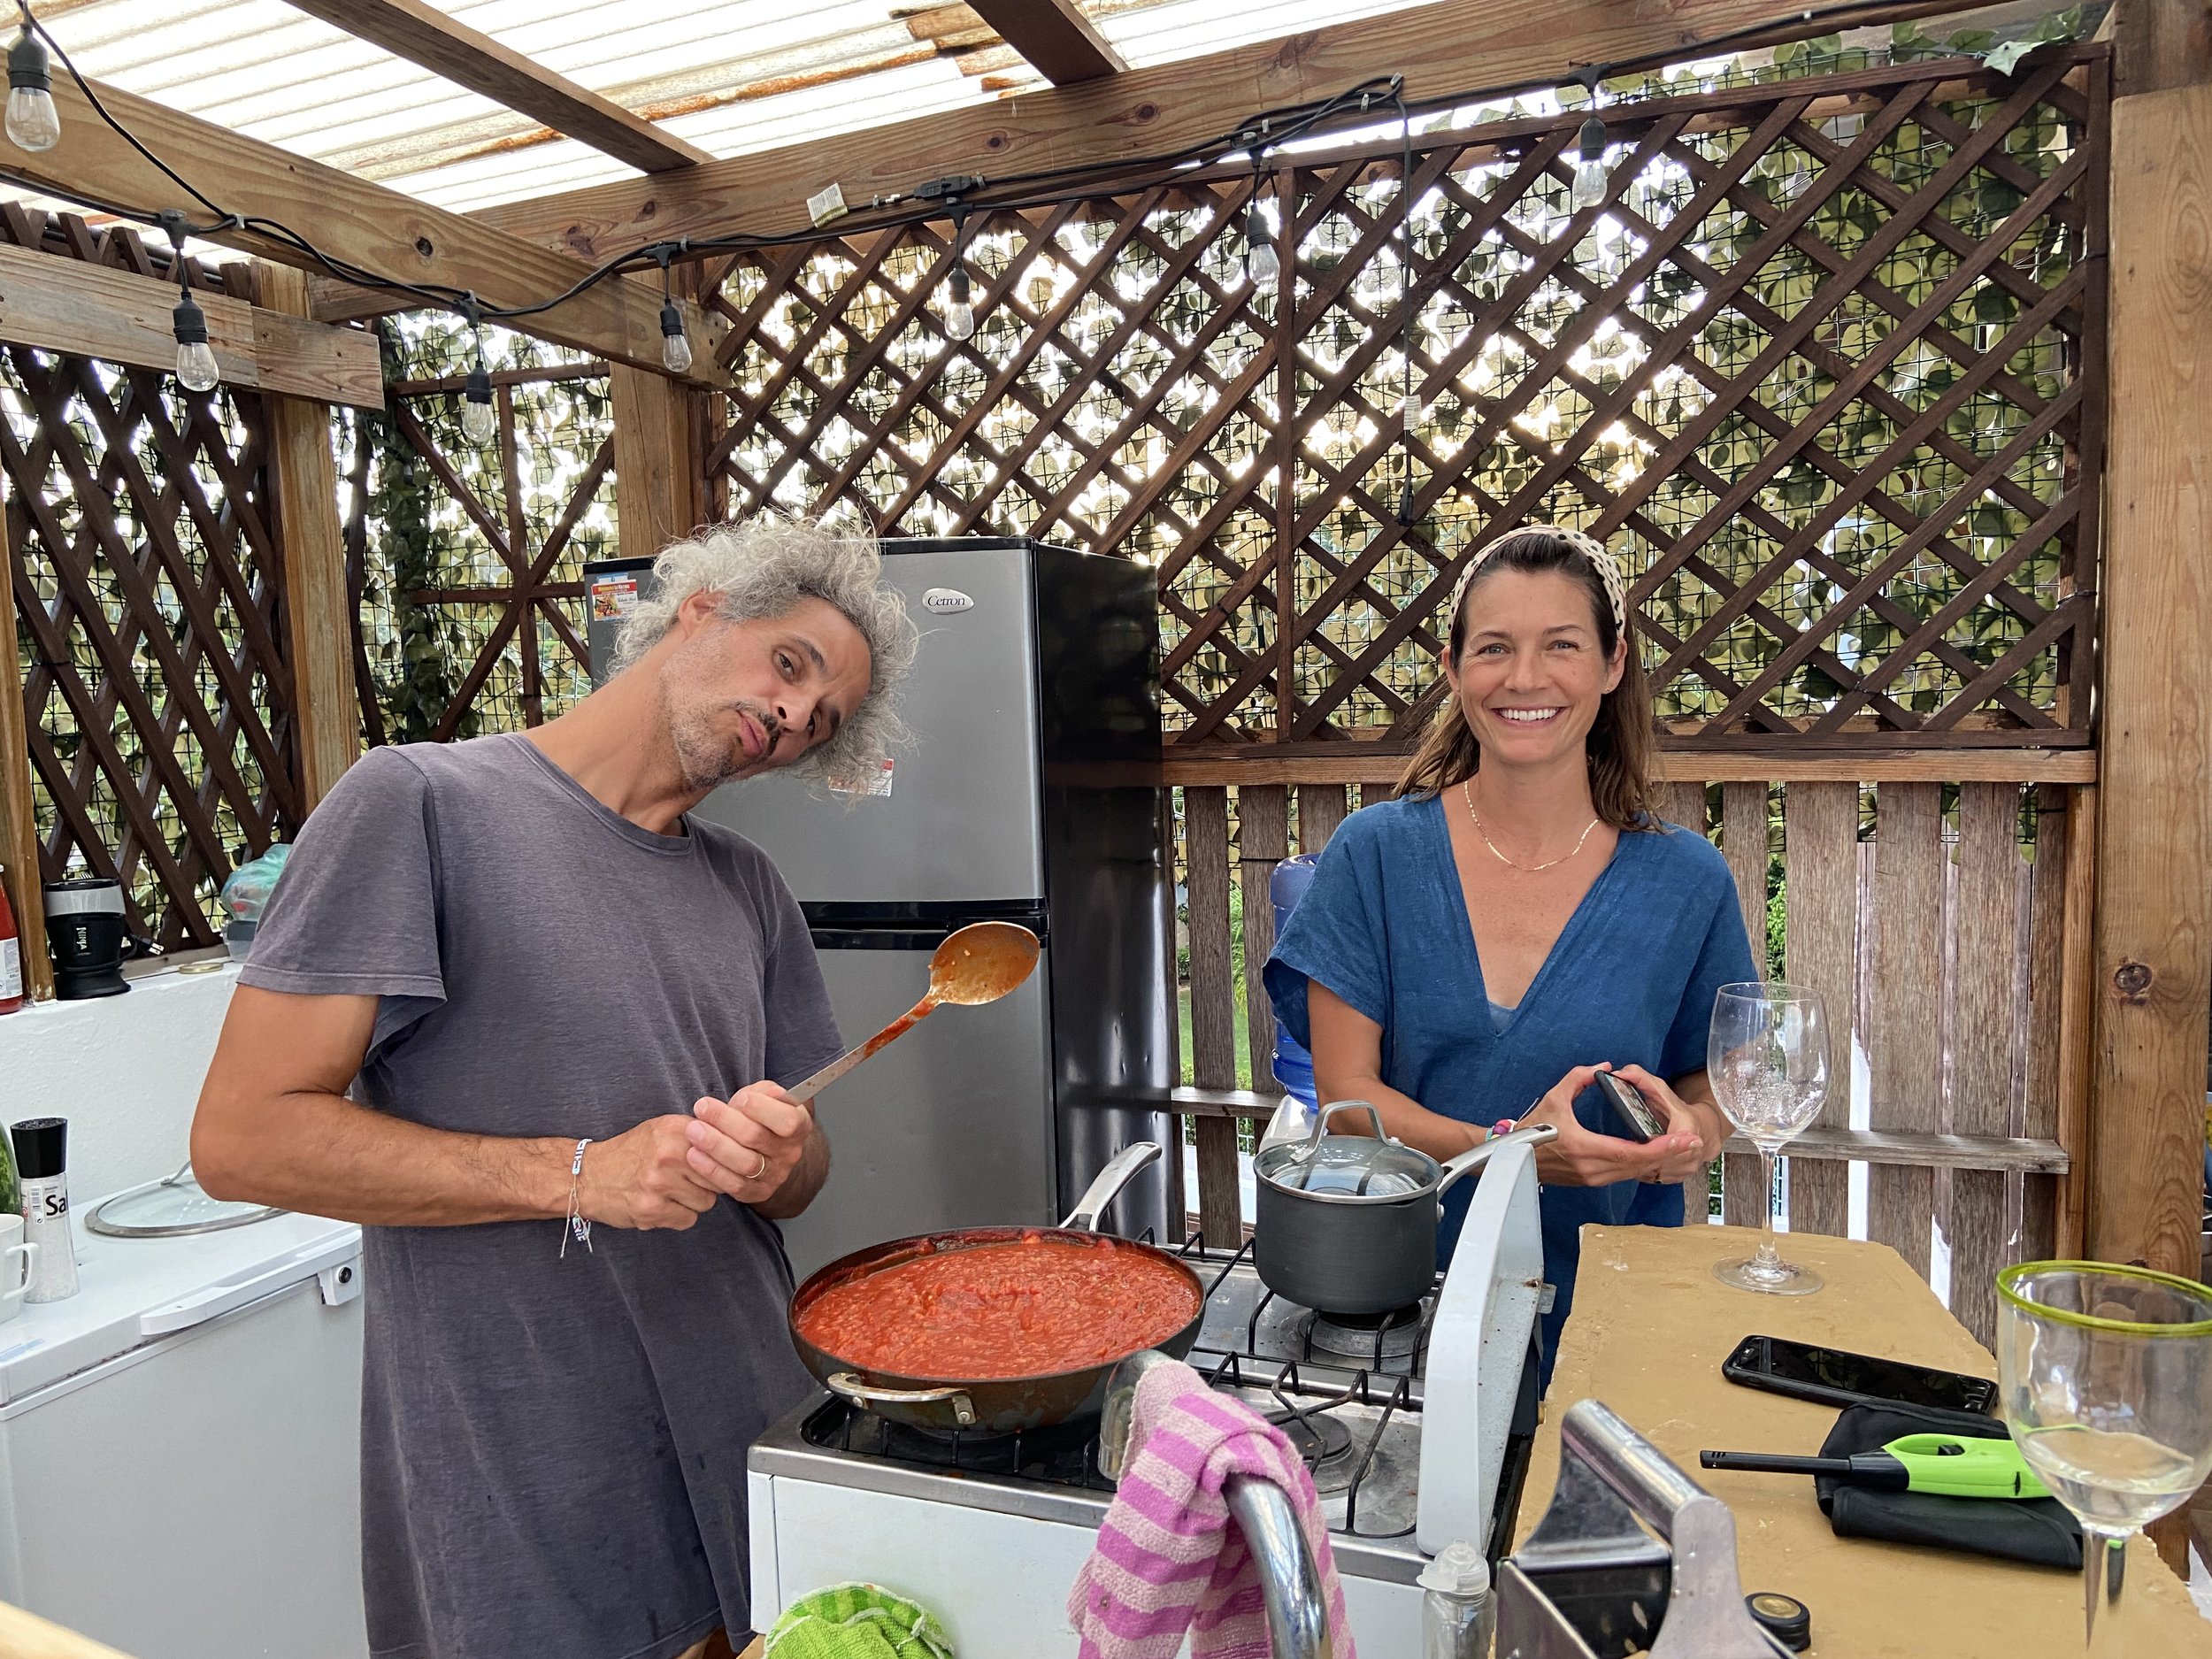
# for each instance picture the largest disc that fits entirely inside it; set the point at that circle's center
(1107, 1187)
(845, 1385)
(1321, 1121)
(1474, 1158)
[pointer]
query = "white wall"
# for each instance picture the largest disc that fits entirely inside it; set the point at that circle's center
(125, 1070)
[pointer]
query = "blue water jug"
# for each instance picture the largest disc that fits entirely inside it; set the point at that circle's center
(1293, 1064)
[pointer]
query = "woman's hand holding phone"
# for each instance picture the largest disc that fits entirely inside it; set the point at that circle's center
(1581, 1158)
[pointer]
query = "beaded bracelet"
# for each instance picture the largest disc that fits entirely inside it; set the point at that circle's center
(578, 1227)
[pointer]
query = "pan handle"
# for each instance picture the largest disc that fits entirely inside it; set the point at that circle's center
(1474, 1158)
(845, 1385)
(1103, 1191)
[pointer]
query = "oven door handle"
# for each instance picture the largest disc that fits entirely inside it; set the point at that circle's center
(846, 1386)
(1290, 1582)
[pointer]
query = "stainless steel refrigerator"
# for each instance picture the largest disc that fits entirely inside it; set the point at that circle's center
(1026, 795)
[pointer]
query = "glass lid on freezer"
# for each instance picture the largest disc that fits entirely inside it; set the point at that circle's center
(168, 1209)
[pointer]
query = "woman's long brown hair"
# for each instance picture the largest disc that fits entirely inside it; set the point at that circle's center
(1619, 744)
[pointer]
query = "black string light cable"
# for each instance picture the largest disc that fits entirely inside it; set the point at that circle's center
(29, 92)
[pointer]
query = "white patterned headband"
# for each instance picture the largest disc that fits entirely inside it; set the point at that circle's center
(1604, 563)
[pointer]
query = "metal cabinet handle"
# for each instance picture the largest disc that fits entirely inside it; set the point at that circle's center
(845, 1385)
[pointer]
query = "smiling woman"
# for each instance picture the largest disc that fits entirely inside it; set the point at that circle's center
(1520, 919)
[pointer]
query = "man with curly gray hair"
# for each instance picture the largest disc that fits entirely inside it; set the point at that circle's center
(514, 980)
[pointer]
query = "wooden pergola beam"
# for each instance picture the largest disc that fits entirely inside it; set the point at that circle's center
(1054, 38)
(60, 305)
(1445, 49)
(423, 34)
(367, 225)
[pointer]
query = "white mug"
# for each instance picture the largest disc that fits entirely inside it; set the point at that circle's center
(14, 1281)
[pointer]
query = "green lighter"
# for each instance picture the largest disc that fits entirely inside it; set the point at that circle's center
(1946, 1464)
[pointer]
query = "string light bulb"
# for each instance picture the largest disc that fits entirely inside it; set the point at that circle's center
(195, 359)
(479, 422)
(1589, 185)
(1262, 263)
(32, 123)
(959, 304)
(675, 344)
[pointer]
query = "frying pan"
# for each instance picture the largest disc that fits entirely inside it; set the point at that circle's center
(998, 1405)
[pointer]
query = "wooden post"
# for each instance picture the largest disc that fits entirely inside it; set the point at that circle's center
(19, 824)
(318, 610)
(2151, 971)
(659, 493)
(2153, 936)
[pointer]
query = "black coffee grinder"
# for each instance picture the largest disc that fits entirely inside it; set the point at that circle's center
(89, 936)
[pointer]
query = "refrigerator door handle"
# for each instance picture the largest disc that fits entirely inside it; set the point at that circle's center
(218, 1298)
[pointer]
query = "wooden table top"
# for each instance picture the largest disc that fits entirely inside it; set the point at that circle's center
(1650, 1328)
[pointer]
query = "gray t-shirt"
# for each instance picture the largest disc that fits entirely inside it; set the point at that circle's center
(553, 1450)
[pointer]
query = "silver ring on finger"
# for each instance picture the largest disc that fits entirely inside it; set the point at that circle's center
(763, 1169)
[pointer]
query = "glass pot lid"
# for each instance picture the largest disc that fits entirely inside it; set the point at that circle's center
(170, 1208)
(1349, 1169)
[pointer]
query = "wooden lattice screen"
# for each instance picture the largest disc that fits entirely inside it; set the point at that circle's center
(149, 594)
(1821, 364)
(467, 558)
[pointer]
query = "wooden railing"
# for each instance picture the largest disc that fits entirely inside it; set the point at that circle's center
(1931, 901)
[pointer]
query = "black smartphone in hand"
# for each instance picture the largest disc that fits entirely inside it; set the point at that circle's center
(1632, 1115)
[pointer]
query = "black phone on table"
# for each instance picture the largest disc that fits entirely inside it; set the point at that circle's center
(1830, 1376)
(1633, 1116)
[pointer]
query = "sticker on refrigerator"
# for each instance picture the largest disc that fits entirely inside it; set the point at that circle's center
(613, 598)
(880, 783)
(944, 601)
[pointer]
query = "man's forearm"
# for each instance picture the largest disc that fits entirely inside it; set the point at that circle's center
(793, 1197)
(324, 1155)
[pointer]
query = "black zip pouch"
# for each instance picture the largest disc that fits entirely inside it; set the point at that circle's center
(2040, 1531)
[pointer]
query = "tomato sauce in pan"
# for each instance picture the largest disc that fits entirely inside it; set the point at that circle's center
(1027, 1306)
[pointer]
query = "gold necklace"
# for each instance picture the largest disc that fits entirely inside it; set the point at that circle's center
(1467, 792)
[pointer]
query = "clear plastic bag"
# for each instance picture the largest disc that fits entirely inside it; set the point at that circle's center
(247, 892)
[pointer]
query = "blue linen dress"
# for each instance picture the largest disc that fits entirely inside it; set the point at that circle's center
(1631, 979)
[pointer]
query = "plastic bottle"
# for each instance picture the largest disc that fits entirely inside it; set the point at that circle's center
(1458, 1619)
(10, 956)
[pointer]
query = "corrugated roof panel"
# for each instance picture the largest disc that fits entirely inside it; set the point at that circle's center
(732, 76)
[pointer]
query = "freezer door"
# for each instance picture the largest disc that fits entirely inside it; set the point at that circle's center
(957, 818)
(951, 1127)
(200, 1497)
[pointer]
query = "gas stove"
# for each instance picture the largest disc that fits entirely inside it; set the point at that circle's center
(1416, 1426)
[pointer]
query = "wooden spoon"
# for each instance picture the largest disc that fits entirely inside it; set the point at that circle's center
(978, 963)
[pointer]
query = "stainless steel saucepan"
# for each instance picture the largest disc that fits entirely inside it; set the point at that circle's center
(1348, 1223)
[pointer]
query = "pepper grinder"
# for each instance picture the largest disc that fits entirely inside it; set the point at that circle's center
(42, 1150)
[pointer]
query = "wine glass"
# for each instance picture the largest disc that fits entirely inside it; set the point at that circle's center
(2106, 1379)
(1767, 1057)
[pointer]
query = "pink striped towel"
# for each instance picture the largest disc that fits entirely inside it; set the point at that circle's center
(1169, 1557)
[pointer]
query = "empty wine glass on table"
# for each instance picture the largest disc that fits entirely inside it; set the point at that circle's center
(2105, 1379)
(1767, 1057)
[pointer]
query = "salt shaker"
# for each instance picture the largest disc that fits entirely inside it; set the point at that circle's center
(41, 1149)
(1458, 1618)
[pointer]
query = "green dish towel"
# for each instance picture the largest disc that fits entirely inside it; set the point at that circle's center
(856, 1621)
